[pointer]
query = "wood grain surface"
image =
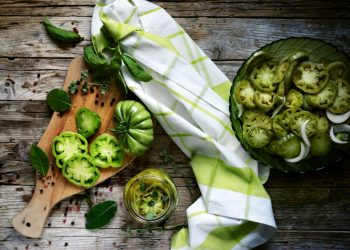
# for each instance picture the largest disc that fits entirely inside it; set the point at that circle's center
(312, 211)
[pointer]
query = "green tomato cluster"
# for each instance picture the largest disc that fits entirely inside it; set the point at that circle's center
(281, 97)
(80, 164)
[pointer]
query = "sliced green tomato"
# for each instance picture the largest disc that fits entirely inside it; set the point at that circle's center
(256, 59)
(252, 117)
(297, 120)
(244, 94)
(294, 99)
(66, 145)
(293, 61)
(323, 124)
(324, 98)
(321, 144)
(310, 77)
(81, 171)
(87, 122)
(272, 147)
(106, 151)
(289, 146)
(337, 70)
(285, 117)
(263, 77)
(256, 136)
(277, 126)
(264, 101)
(134, 127)
(342, 101)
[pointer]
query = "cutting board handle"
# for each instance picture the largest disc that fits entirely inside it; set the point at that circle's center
(31, 221)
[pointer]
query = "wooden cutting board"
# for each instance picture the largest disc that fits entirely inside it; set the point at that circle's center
(54, 187)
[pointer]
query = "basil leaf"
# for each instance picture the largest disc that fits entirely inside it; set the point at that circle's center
(135, 69)
(58, 100)
(61, 34)
(39, 160)
(93, 59)
(100, 214)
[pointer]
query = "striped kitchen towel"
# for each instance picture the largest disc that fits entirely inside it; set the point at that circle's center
(189, 97)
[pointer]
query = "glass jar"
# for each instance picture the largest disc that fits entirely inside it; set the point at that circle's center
(150, 196)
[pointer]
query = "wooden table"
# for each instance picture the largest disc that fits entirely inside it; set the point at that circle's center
(311, 210)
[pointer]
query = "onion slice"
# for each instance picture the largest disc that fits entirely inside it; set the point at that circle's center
(338, 118)
(303, 133)
(336, 129)
(240, 109)
(302, 155)
(279, 107)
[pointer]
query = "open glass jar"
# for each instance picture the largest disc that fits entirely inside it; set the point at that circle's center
(150, 196)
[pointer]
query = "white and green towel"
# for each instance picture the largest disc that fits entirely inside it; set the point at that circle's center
(189, 97)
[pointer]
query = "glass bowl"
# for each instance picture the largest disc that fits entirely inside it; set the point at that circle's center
(150, 196)
(318, 50)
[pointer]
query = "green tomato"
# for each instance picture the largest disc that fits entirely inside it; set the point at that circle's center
(289, 146)
(263, 77)
(336, 70)
(342, 100)
(264, 101)
(277, 126)
(256, 59)
(106, 151)
(297, 120)
(281, 70)
(87, 122)
(321, 144)
(254, 117)
(66, 145)
(323, 98)
(285, 117)
(81, 171)
(310, 77)
(244, 94)
(294, 99)
(257, 136)
(323, 124)
(134, 127)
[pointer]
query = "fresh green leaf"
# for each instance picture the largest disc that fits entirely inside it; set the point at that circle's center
(58, 100)
(150, 215)
(104, 88)
(61, 35)
(73, 87)
(39, 160)
(93, 59)
(165, 198)
(142, 187)
(85, 89)
(135, 69)
(155, 195)
(100, 214)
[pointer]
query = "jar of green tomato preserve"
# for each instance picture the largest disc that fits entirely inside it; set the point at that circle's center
(150, 196)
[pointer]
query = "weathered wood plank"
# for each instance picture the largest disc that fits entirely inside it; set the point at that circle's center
(118, 239)
(308, 240)
(66, 238)
(34, 84)
(73, 209)
(220, 38)
(295, 9)
(295, 209)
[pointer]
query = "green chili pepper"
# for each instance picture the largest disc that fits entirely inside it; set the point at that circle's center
(66, 145)
(81, 171)
(134, 127)
(135, 69)
(106, 151)
(61, 34)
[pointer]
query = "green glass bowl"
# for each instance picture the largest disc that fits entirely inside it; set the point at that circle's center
(317, 50)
